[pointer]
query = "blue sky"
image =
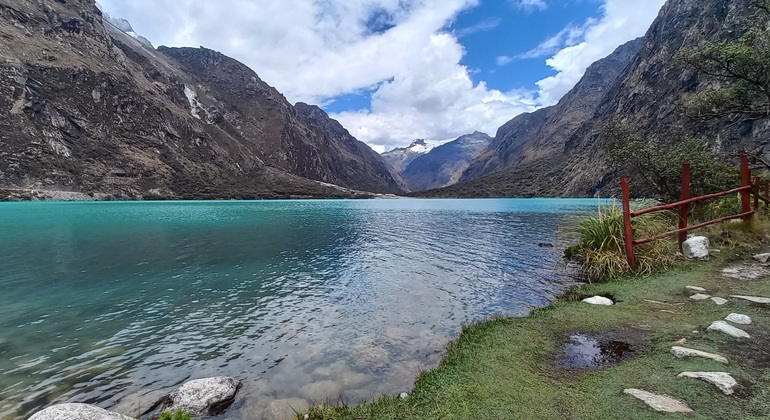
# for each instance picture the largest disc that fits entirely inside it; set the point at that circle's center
(394, 70)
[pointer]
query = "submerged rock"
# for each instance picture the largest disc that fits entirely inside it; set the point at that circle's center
(722, 380)
(599, 300)
(659, 403)
(74, 411)
(203, 396)
(728, 329)
(696, 248)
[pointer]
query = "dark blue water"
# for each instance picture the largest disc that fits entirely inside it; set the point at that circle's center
(305, 301)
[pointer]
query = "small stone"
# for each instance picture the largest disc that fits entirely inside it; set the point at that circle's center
(696, 248)
(719, 301)
(700, 297)
(763, 258)
(755, 299)
(403, 395)
(76, 411)
(695, 288)
(739, 319)
(599, 300)
(696, 332)
(722, 380)
(728, 329)
(682, 352)
(681, 342)
(660, 403)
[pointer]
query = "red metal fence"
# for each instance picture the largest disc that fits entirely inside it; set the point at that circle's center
(746, 191)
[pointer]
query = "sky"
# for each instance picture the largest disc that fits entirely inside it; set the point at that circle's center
(392, 71)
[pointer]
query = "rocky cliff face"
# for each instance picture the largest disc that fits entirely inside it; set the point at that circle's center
(445, 164)
(545, 155)
(85, 107)
(541, 136)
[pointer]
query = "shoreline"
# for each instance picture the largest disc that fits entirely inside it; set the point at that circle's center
(510, 367)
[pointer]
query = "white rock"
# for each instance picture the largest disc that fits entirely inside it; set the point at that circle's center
(599, 300)
(695, 288)
(660, 403)
(722, 380)
(728, 329)
(201, 395)
(682, 352)
(72, 411)
(700, 297)
(719, 301)
(755, 299)
(739, 319)
(696, 248)
(403, 395)
(763, 258)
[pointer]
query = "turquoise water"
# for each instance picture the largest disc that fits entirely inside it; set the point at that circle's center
(113, 303)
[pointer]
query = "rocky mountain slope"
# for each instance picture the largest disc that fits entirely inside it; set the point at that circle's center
(85, 107)
(444, 164)
(399, 158)
(547, 157)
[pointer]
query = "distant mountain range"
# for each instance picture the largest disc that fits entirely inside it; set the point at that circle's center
(93, 108)
(558, 150)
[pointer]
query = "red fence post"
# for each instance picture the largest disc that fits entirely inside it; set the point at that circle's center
(745, 182)
(757, 186)
(684, 210)
(628, 231)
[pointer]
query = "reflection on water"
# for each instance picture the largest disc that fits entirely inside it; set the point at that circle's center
(115, 303)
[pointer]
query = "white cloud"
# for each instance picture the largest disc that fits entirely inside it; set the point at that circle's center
(530, 4)
(622, 21)
(315, 50)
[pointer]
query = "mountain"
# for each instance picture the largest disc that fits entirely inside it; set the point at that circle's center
(399, 158)
(444, 164)
(88, 108)
(558, 151)
(125, 26)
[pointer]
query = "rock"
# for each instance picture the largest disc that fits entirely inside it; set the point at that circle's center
(696, 248)
(403, 396)
(763, 258)
(719, 301)
(722, 380)
(74, 411)
(660, 403)
(681, 342)
(739, 319)
(744, 272)
(599, 300)
(695, 288)
(203, 396)
(728, 329)
(682, 352)
(700, 297)
(288, 408)
(755, 299)
(321, 391)
(545, 245)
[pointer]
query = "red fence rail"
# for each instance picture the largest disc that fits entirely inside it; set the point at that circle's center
(746, 190)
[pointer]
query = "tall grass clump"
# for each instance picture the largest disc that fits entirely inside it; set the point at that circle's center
(600, 251)
(176, 415)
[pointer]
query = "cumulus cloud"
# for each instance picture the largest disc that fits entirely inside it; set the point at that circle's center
(621, 21)
(400, 50)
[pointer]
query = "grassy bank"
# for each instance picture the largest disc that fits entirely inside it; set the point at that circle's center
(508, 368)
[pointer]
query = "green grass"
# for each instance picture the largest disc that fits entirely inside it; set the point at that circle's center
(176, 415)
(505, 368)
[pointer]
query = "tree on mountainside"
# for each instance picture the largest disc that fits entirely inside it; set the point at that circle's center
(658, 168)
(741, 69)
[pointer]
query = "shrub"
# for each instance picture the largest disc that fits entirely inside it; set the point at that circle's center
(600, 251)
(176, 415)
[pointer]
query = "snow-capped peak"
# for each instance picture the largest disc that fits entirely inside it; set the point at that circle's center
(420, 146)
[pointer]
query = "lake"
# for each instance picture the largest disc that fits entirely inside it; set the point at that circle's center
(115, 303)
